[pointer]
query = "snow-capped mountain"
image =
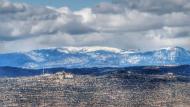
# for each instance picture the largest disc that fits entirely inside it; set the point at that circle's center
(81, 57)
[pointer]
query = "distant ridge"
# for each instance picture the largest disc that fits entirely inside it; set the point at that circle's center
(86, 57)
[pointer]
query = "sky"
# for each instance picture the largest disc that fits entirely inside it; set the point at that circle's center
(126, 24)
(72, 4)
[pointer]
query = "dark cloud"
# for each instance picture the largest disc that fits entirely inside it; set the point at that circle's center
(20, 21)
(9, 8)
(107, 8)
(76, 28)
(155, 6)
(124, 23)
(183, 34)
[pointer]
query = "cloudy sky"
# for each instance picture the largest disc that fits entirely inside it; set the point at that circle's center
(137, 24)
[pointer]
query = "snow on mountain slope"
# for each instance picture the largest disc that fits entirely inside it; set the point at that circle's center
(89, 49)
(80, 57)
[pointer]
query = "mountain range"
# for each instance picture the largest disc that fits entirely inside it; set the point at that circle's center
(87, 57)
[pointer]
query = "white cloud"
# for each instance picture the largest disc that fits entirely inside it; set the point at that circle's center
(22, 21)
(125, 24)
